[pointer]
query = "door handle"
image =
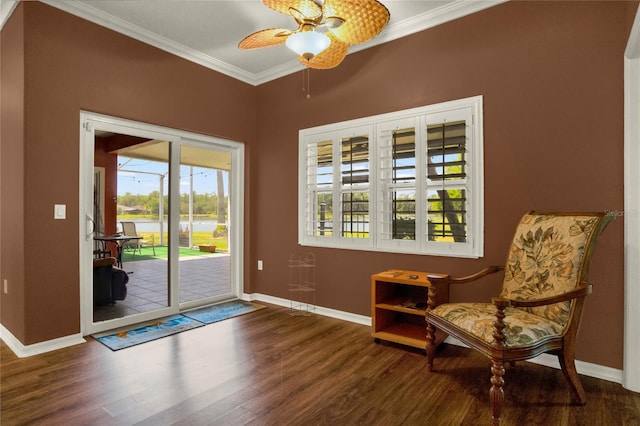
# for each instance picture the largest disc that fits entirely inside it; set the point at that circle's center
(91, 226)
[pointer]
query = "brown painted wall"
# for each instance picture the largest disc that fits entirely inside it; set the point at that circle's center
(12, 145)
(73, 65)
(552, 79)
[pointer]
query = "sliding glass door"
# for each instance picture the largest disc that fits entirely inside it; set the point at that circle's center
(160, 221)
(135, 211)
(205, 273)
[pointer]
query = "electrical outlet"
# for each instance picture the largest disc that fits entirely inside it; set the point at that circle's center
(5, 286)
(259, 265)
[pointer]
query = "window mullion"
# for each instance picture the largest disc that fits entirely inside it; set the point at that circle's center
(337, 188)
(421, 183)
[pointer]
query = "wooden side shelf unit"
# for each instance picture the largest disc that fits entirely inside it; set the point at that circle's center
(399, 300)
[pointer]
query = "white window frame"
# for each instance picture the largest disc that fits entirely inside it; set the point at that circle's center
(470, 109)
(384, 209)
(307, 200)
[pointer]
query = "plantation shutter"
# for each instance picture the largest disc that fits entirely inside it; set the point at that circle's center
(446, 175)
(354, 170)
(409, 181)
(319, 194)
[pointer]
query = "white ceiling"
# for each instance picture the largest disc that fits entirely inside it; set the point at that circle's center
(207, 32)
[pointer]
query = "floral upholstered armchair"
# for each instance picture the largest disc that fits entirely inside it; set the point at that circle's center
(539, 308)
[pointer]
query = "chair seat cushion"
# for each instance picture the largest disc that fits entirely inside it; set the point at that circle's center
(523, 328)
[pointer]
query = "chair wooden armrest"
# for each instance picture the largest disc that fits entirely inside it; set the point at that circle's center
(581, 291)
(468, 278)
(446, 279)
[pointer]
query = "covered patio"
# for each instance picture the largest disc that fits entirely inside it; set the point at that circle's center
(203, 276)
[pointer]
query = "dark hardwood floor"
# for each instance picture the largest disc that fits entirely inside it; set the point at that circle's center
(269, 368)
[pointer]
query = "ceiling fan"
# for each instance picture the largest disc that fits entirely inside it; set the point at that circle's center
(325, 30)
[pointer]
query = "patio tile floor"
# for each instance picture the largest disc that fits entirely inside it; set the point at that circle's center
(200, 277)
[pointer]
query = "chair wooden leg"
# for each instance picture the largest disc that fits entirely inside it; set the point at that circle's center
(431, 345)
(567, 363)
(496, 393)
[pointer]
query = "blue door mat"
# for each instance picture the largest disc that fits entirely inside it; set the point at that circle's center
(222, 311)
(163, 327)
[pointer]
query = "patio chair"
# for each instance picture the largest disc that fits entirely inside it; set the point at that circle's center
(100, 250)
(129, 229)
(539, 308)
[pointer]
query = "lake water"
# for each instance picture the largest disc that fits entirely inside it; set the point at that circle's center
(144, 225)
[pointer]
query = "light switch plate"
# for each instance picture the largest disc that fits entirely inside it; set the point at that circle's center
(59, 211)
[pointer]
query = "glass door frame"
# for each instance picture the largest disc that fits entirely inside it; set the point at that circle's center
(186, 142)
(89, 124)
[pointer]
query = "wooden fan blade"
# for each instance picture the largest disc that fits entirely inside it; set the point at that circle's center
(265, 38)
(363, 19)
(331, 57)
(308, 8)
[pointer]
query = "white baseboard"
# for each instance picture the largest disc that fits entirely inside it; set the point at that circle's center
(327, 312)
(585, 368)
(23, 351)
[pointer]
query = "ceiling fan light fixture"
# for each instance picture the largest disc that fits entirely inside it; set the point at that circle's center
(326, 29)
(308, 43)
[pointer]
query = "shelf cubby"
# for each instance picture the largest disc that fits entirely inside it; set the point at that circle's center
(399, 300)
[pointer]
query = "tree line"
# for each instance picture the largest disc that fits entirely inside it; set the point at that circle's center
(203, 204)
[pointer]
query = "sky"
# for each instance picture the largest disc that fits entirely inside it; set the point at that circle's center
(132, 180)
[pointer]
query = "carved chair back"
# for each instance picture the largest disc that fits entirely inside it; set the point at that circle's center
(549, 256)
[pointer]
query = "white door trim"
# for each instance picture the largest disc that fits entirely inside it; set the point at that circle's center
(89, 122)
(631, 354)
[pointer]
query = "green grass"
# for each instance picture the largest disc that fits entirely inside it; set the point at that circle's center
(154, 218)
(161, 253)
(199, 239)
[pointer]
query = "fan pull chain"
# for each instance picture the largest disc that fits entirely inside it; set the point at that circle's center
(306, 88)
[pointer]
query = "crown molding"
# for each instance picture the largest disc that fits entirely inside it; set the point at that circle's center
(274, 73)
(449, 12)
(6, 9)
(121, 26)
(633, 44)
(441, 15)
